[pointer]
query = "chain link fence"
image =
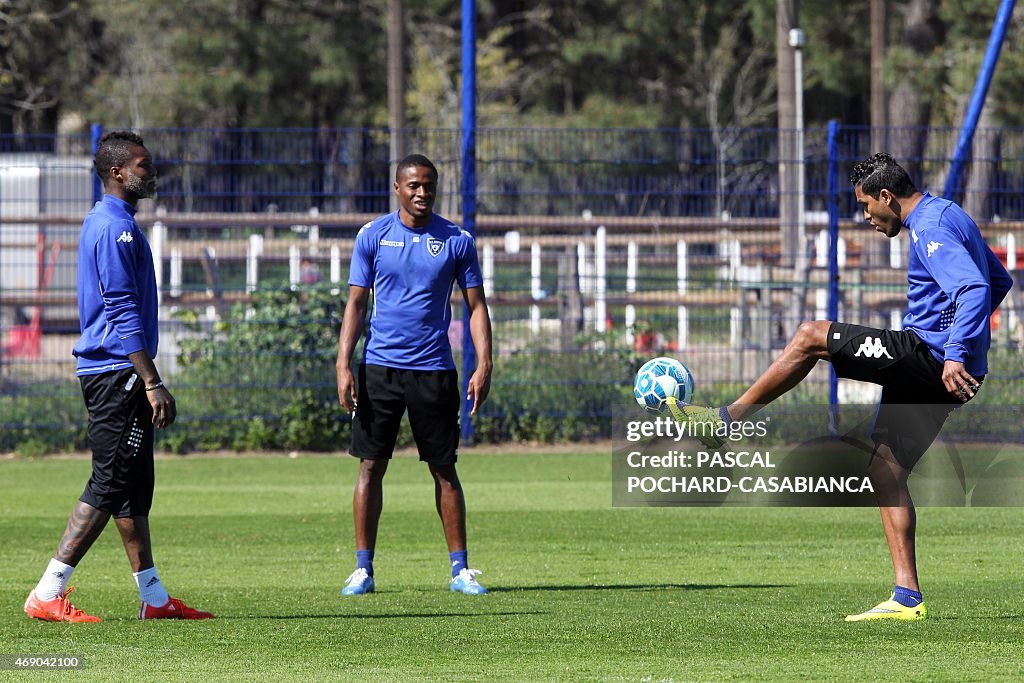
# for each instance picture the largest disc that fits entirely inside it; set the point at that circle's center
(600, 249)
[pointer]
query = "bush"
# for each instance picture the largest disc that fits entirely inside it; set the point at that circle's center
(263, 378)
(42, 417)
(551, 396)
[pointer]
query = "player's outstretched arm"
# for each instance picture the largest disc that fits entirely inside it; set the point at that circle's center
(351, 328)
(480, 328)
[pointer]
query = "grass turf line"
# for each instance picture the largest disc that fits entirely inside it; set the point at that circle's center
(580, 591)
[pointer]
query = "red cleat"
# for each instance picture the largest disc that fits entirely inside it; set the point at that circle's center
(58, 609)
(175, 609)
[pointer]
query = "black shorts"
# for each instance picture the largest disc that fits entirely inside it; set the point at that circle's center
(121, 439)
(914, 403)
(432, 399)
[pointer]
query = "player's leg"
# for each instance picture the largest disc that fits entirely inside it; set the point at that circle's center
(84, 526)
(380, 406)
(132, 476)
(136, 540)
(903, 432)
(434, 403)
(104, 397)
(48, 600)
(865, 354)
(451, 506)
(368, 502)
(154, 602)
(899, 517)
(135, 473)
(899, 523)
(802, 353)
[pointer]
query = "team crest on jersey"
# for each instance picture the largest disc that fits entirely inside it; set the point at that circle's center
(434, 245)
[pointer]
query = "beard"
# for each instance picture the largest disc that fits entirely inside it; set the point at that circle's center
(139, 188)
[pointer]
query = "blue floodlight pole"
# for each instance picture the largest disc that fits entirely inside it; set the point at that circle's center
(468, 191)
(833, 265)
(988, 67)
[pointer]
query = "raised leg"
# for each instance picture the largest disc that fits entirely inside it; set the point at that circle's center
(804, 350)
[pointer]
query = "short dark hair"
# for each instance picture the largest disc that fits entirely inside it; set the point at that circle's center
(115, 149)
(415, 161)
(880, 171)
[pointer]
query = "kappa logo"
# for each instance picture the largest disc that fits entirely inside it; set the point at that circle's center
(125, 237)
(872, 347)
(933, 247)
(434, 246)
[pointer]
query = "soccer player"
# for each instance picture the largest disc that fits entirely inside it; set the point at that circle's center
(934, 364)
(410, 260)
(124, 395)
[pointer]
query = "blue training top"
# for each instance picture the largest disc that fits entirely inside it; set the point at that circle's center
(117, 296)
(412, 272)
(955, 283)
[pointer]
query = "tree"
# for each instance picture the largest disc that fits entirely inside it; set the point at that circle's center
(588, 63)
(47, 47)
(915, 68)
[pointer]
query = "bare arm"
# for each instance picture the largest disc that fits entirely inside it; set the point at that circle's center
(351, 328)
(165, 410)
(480, 328)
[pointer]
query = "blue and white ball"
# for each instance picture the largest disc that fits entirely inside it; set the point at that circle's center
(660, 378)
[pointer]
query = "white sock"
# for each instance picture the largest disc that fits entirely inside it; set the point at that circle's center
(55, 580)
(151, 591)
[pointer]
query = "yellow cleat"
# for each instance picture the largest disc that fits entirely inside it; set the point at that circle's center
(890, 609)
(705, 423)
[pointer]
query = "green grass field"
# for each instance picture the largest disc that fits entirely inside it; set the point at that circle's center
(580, 591)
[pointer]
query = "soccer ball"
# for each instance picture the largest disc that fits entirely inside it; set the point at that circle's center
(660, 378)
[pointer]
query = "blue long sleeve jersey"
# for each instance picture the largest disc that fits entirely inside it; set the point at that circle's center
(955, 282)
(117, 295)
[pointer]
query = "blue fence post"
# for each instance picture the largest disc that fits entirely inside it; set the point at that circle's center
(833, 265)
(468, 192)
(96, 132)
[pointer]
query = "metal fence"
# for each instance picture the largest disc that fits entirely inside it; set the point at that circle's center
(600, 248)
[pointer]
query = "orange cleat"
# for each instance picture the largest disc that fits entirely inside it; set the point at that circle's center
(175, 609)
(58, 609)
